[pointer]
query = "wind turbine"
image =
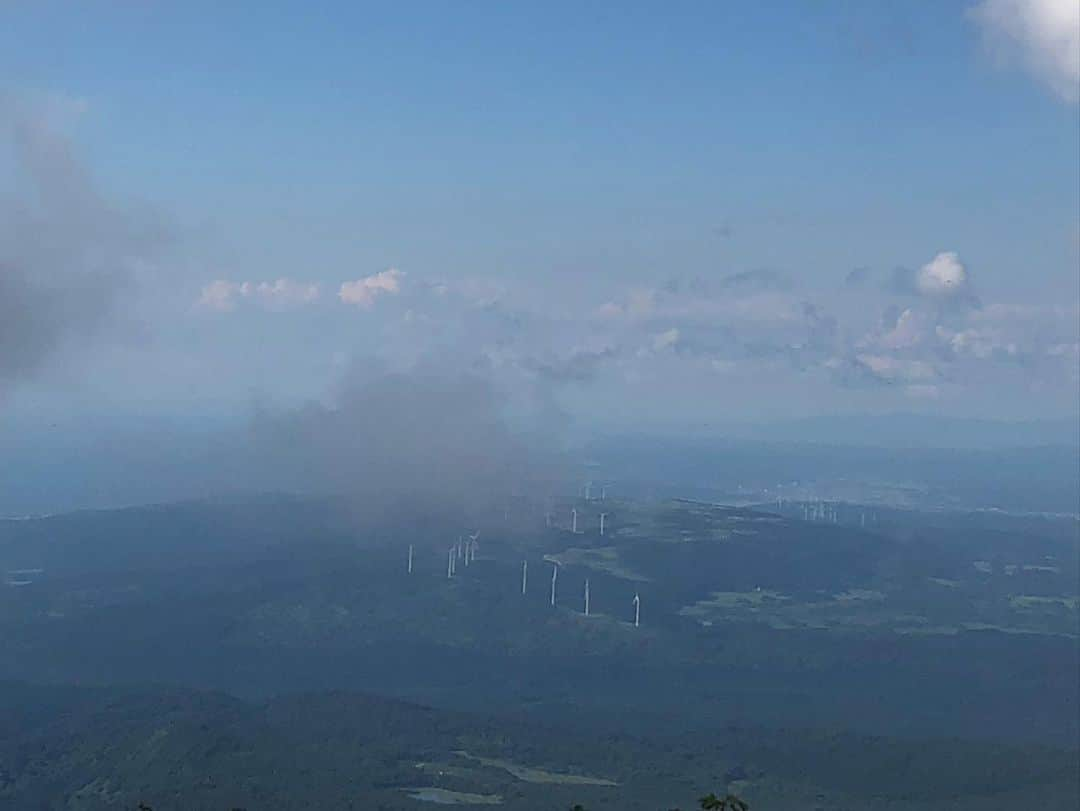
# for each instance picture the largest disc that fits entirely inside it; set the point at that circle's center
(450, 564)
(554, 579)
(586, 596)
(573, 520)
(410, 558)
(637, 610)
(588, 491)
(603, 492)
(602, 517)
(524, 575)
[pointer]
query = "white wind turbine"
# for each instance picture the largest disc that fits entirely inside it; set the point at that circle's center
(573, 520)
(602, 517)
(554, 579)
(637, 610)
(410, 558)
(586, 596)
(450, 564)
(524, 575)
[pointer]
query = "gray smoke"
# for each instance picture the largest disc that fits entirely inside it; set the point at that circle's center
(66, 255)
(433, 441)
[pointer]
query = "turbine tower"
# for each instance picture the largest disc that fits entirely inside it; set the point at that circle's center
(573, 520)
(524, 575)
(602, 517)
(450, 564)
(554, 579)
(586, 596)
(637, 610)
(410, 558)
(588, 491)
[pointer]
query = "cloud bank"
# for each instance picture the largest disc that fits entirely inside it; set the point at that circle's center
(907, 333)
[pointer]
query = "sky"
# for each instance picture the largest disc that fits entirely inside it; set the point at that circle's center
(634, 214)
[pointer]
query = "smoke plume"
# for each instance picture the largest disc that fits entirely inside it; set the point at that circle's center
(435, 441)
(66, 255)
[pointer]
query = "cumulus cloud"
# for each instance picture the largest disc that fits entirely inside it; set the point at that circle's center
(909, 329)
(67, 254)
(222, 295)
(944, 275)
(943, 339)
(363, 292)
(1043, 34)
(944, 279)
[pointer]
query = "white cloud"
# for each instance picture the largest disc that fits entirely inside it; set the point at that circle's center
(219, 295)
(944, 275)
(666, 339)
(222, 295)
(363, 292)
(910, 330)
(284, 293)
(1044, 34)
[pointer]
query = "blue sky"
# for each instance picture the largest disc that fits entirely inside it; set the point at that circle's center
(639, 208)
